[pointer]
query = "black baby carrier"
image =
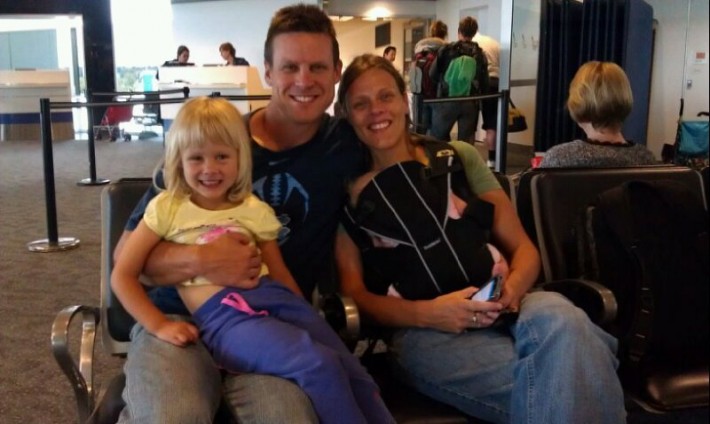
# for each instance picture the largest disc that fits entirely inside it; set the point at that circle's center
(425, 252)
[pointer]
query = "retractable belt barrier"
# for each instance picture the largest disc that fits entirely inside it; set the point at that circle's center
(54, 243)
(503, 97)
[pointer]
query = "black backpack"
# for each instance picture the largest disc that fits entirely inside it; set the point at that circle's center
(407, 203)
(648, 243)
(451, 54)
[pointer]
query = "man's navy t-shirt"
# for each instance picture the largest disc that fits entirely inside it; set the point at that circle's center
(306, 188)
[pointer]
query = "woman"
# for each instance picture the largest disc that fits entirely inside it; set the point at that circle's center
(599, 101)
(228, 53)
(181, 59)
(539, 370)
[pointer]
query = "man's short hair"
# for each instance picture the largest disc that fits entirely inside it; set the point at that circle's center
(468, 27)
(300, 18)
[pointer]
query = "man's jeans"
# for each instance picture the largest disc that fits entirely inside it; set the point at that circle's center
(444, 115)
(557, 368)
(170, 384)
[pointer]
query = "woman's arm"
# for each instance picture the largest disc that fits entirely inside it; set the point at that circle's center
(271, 254)
(127, 287)
(510, 237)
(229, 260)
(452, 312)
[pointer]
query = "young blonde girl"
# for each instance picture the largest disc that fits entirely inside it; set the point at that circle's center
(267, 329)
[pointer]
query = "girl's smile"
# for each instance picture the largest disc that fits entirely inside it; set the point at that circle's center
(210, 171)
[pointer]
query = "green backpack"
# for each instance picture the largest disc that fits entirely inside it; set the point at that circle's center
(466, 69)
(460, 75)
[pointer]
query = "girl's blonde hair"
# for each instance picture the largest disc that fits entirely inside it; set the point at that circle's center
(199, 121)
(600, 94)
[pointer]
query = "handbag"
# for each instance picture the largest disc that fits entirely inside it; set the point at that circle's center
(516, 119)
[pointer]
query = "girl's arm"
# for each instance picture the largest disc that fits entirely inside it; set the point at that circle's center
(271, 255)
(452, 312)
(125, 283)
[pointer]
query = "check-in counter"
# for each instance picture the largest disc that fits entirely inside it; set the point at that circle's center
(20, 92)
(205, 80)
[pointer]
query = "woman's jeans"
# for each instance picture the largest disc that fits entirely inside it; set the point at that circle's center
(552, 366)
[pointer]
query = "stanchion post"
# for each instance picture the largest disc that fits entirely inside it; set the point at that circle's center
(92, 180)
(53, 242)
(502, 133)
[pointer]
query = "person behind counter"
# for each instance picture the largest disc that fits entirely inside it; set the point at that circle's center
(183, 55)
(228, 53)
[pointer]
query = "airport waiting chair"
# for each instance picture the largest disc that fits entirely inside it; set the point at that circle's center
(508, 184)
(117, 202)
(549, 203)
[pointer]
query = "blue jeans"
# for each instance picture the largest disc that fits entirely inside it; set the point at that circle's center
(293, 341)
(173, 385)
(553, 366)
(444, 115)
(422, 114)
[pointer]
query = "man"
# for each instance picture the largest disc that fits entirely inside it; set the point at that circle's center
(390, 53)
(489, 107)
(301, 159)
(463, 113)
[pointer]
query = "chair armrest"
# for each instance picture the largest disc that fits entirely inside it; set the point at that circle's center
(342, 315)
(110, 402)
(79, 373)
(593, 298)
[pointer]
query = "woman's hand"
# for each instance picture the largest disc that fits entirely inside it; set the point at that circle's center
(455, 312)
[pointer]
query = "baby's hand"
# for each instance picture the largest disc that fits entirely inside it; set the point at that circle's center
(179, 333)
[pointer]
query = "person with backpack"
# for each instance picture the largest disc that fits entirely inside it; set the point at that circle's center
(420, 83)
(460, 70)
(599, 101)
(552, 365)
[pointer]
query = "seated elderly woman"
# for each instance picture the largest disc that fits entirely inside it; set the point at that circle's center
(551, 365)
(599, 101)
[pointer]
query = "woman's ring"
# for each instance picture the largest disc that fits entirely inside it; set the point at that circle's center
(475, 319)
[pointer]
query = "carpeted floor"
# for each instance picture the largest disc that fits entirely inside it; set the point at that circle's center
(35, 286)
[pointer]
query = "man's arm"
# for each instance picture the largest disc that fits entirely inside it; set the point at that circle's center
(229, 260)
